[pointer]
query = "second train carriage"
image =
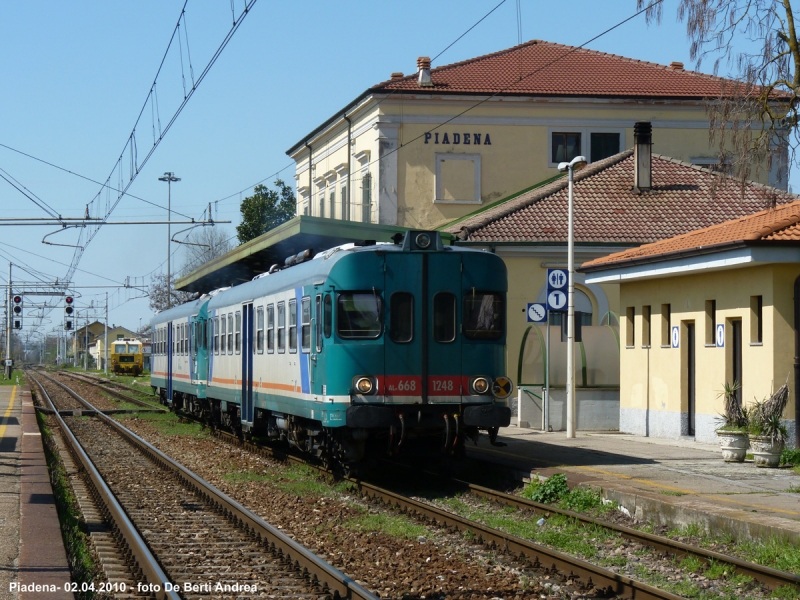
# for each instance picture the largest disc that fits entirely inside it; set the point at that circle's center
(363, 344)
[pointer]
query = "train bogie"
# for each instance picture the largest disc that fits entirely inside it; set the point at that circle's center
(373, 346)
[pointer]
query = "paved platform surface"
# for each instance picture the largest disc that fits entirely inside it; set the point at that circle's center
(31, 549)
(670, 482)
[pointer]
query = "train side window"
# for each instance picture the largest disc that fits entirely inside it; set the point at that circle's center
(260, 330)
(270, 329)
(174, 344)
(222, 335)
(444, 317)
(328, 315)
(318, 313)
(401, 317)
(230, 333)
(359, 315)
(186, 338)
(281, 327)
(182, 343)
(305, 329)
(216, 335)
(293, 326)
(483, 315)
(238, 336)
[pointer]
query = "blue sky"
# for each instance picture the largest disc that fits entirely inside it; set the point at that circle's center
(75, 76)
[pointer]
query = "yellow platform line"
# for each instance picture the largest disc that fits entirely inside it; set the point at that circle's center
(8, 412)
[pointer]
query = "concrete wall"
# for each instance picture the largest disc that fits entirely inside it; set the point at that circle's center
(596, 409)
(653, 381)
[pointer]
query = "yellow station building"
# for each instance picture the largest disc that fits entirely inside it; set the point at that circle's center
(716, 305)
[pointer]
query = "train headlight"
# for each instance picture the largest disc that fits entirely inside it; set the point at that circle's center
(480, 385)
(423, 240)
(364, 385)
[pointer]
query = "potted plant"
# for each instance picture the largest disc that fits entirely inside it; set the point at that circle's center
(732, 433)
(767, 434)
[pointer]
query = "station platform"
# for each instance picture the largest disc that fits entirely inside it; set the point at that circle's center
(31, 548)
(666, 482)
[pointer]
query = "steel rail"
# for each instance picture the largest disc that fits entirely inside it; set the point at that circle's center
(768, 576)
(339, 585)
(106, 387)
(144, 559)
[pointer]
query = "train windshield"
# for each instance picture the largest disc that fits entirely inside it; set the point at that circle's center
(359, 315)
(483, 315)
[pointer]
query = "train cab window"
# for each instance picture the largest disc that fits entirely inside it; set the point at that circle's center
(293, 326)
(270, 329)
(305, 321)
(327, 315)
(318, 312)
(483, 315)
(359, 315)
(401, 317)
(238, 336)
(222, 334)
(230, 333)
(281, 327)
(260, 330)
(444, 317)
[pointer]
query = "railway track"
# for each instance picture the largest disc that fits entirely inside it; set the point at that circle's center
(186, 539)
(583, 574)
(113, 388)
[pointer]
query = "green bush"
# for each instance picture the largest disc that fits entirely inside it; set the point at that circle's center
(552, 489)
(790, 456)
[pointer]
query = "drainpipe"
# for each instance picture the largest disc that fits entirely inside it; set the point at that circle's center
(796, 362)
(309, 177)
(349, 153)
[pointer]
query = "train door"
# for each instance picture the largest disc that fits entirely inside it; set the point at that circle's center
(198, 361)
(443, 352)
(404, 322)
(170, 337)
(246, 349)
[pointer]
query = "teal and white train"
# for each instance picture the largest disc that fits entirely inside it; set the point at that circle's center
(360, 350)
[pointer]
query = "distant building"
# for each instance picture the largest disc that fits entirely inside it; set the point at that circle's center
(719, 304)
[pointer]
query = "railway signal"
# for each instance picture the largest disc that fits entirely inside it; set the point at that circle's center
(68, 310)
(17, 310)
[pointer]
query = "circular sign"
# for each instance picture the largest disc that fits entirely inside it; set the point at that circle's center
(502, 387)
(720, 335)
(537, 312)
(675, 337)
(556, 300)
(557, 278)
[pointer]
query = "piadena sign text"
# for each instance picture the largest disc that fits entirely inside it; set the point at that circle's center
(468, 139)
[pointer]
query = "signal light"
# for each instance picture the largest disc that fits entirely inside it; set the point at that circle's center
(17, 305)
(68, 325)
(69, 309)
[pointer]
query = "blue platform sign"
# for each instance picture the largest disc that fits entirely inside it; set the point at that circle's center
(536, 312)
(676, 336)
(720, 335)
(557, 280)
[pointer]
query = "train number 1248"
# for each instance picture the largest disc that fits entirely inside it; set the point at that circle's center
(442, 385)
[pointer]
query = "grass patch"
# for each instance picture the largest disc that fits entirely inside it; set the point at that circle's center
(298, 480)
(391, 525)
(169, 424)
(786, 592)
(790, 456)
(73, 528)
(671, 493)
(690, 530)
(793, 489)
(552, 489)
(772, 552)
(692, 563)
(16, 375)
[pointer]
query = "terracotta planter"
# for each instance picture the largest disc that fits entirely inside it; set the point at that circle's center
(766, 451)
(734, 445)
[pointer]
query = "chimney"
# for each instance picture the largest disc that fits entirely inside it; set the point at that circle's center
(676, 65)
(642, 140)
(424, 70)
(397, 75)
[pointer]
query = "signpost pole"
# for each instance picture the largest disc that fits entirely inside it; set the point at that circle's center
(546, 411)
(8, 366)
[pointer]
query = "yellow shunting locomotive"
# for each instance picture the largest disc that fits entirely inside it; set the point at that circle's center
(127, 357)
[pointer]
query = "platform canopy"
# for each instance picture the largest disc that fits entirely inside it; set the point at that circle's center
(258, 255)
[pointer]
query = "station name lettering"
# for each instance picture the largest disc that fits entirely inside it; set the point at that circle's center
(473, 139)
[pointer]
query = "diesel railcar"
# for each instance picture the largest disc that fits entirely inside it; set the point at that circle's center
(363, 348)
(127, 357)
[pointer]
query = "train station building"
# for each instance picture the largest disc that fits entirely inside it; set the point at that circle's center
(719, 304)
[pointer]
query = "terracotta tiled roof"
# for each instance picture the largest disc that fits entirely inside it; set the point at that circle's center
(781, 223)
(544, 68)
(608, 210)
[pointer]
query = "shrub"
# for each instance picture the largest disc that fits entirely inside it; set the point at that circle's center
(552, 489)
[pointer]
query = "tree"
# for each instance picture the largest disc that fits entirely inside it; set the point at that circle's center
(204, 244)
(160, 294)
(755, 119)
(265, 210)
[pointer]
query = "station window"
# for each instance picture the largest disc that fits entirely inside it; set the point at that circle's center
(401, 317)
(318, 312)
(666, 316)
(565, 146)
(238, 332)
(327, 310)
(332, 202)
(756, 314)
(711, 323)
(230, 333)
(444, 317)
(260, 330)
(630, 315)
(484, 316)
(292, 326)
(281, 327)
(222, 335)
(603, 145)
(645, 326)
(305, 329)
(359, 315)
(270, 329)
